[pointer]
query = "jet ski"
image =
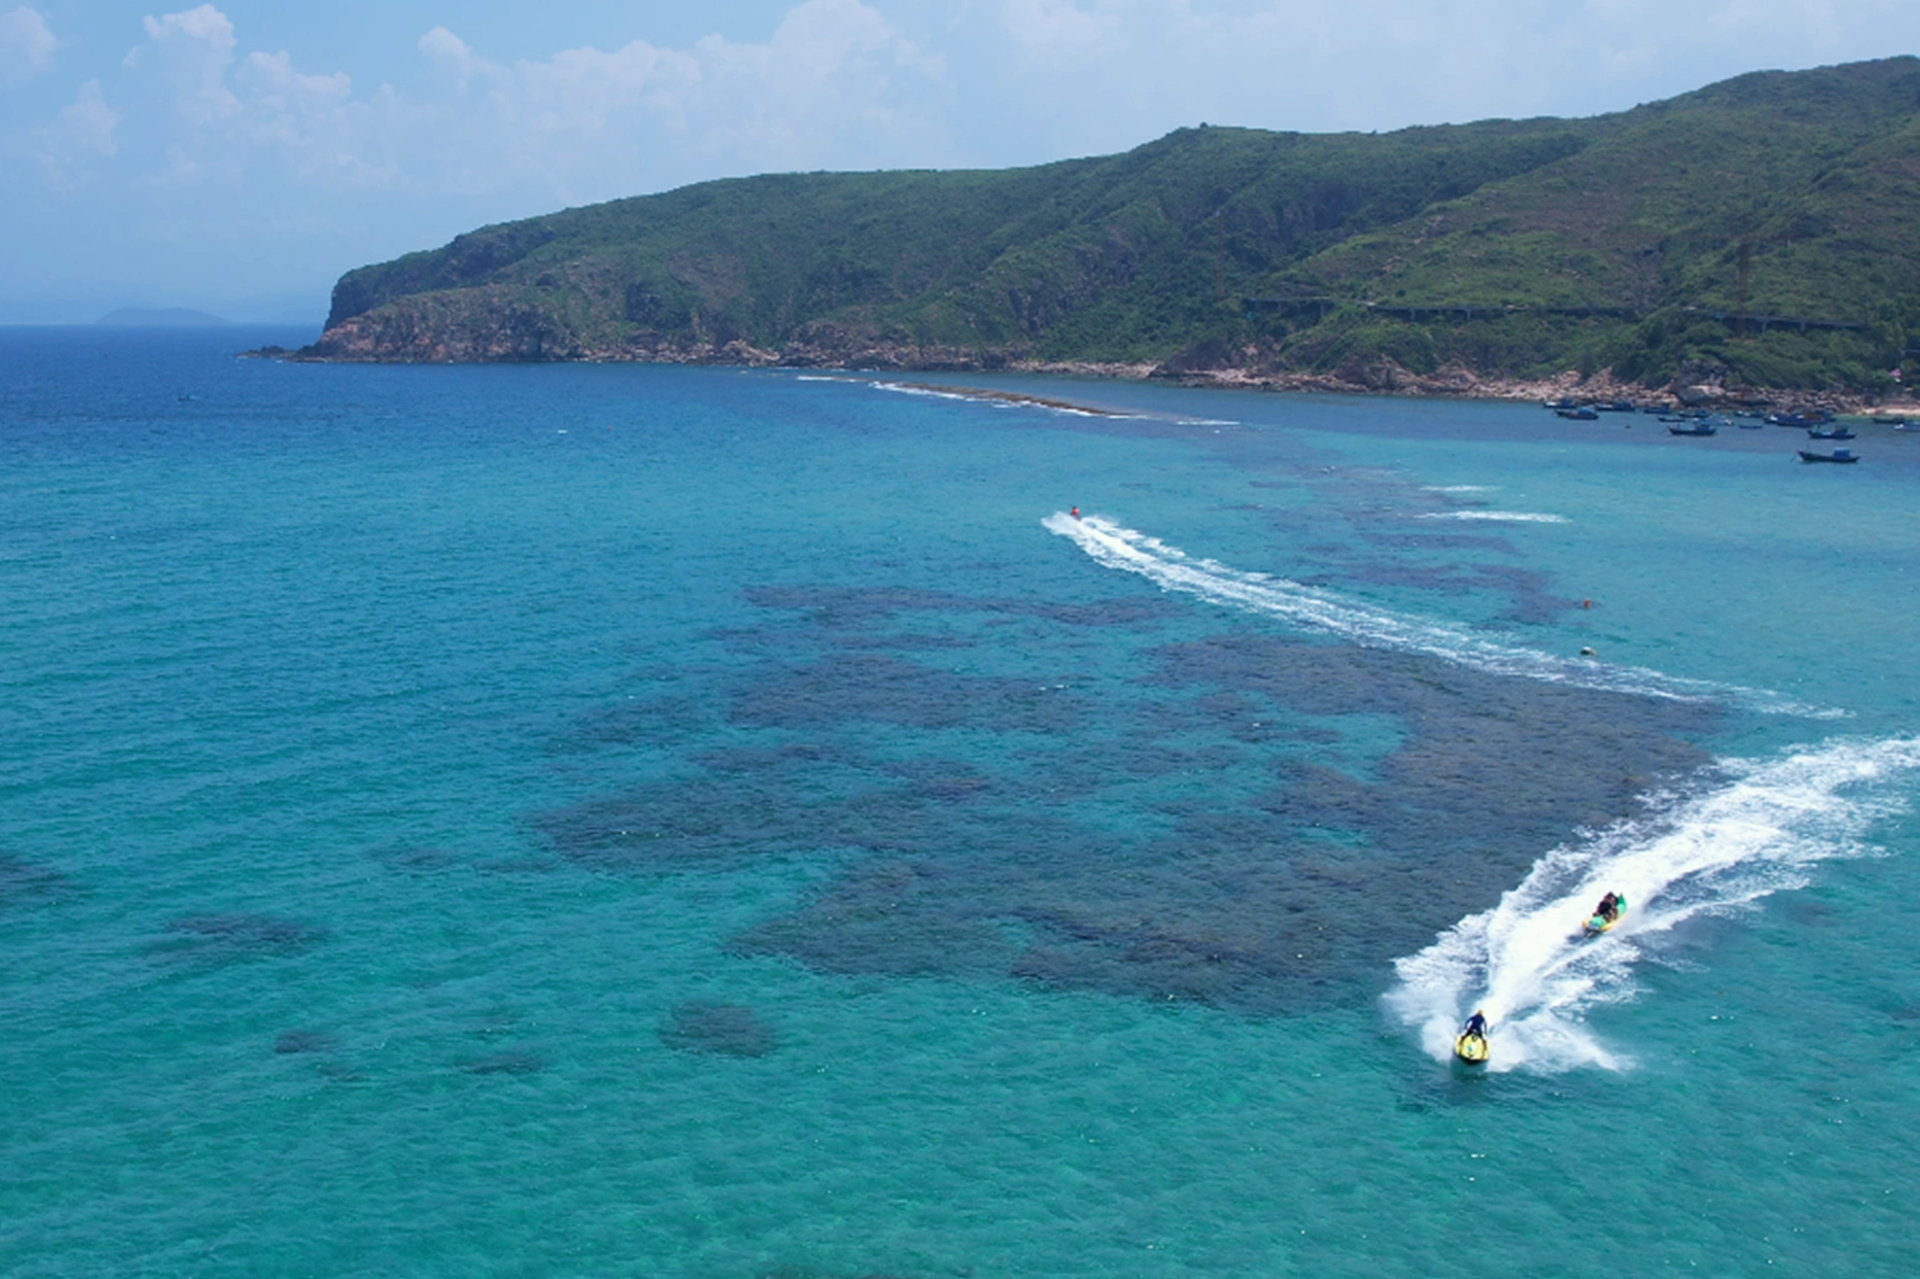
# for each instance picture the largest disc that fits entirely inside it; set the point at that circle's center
(1600, 921)
(1471, 1045)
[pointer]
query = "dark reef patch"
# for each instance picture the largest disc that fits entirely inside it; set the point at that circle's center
(1254, 821)
(303, 1041)
(764, 759)
(218, 939)
(22, 881)
(1382, 511)
(848, 608)
(415, 859)
(889, 691)
(724, 1030)
(646, 721)
(716, 820)
(510, 1062)
(1530, 602)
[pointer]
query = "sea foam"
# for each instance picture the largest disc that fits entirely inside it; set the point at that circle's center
(1741, 830)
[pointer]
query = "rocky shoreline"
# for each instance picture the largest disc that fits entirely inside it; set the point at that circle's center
(352, 341)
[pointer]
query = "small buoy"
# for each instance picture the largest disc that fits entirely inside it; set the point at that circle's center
(1586, 652)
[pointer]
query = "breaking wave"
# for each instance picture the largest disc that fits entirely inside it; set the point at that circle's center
(1500, 517)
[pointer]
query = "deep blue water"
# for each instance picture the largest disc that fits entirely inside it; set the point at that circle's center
(595, 820)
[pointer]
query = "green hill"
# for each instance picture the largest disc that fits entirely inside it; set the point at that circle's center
(1759, 230)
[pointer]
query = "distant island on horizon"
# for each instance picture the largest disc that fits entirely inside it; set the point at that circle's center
(1755, 235)
(167, 317)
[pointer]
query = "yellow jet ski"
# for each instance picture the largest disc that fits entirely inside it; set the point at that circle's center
(1472, 1046)
(1613, 909)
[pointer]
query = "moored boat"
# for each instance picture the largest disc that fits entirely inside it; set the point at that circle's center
(1838, 455)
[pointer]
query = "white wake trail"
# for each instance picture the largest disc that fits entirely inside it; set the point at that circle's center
(1128, 549)
(1753, 828)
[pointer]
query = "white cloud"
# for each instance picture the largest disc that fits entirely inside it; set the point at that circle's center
(27, 45)
(449, 52)
(81, 135)
(836, 83)
(835, 70)
(1053, 31)
(492, 123)
(835, 79)
(1817, 22)
(189, 53)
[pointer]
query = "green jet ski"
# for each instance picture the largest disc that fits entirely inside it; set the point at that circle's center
(1612, 909)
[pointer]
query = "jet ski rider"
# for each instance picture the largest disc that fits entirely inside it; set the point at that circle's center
(1609, 907)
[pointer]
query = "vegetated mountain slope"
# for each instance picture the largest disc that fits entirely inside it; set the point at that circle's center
(1605, 241)
(1813, 172)
(1113, 258)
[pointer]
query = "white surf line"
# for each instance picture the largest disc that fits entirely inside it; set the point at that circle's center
(1747, 829)
(1127, 549)
(1009, 400)
(1502, 517)
(1013, 400)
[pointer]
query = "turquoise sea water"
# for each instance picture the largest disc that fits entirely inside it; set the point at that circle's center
(698, 823)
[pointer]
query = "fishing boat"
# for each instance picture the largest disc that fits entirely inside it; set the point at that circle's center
(1838, 455)
(1695, 428)
(1578, 415)
(1829, 433)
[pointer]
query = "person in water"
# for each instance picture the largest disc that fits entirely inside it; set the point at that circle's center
(1477, 1025)
(1609, 907)
(1075, 512)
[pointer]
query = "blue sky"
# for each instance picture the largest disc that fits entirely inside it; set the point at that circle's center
(239, 156)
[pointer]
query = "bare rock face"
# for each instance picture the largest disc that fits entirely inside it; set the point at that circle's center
(1206, 355)
(1377, 374)
(1454, 380)
(432, 329)
(1698, 382)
